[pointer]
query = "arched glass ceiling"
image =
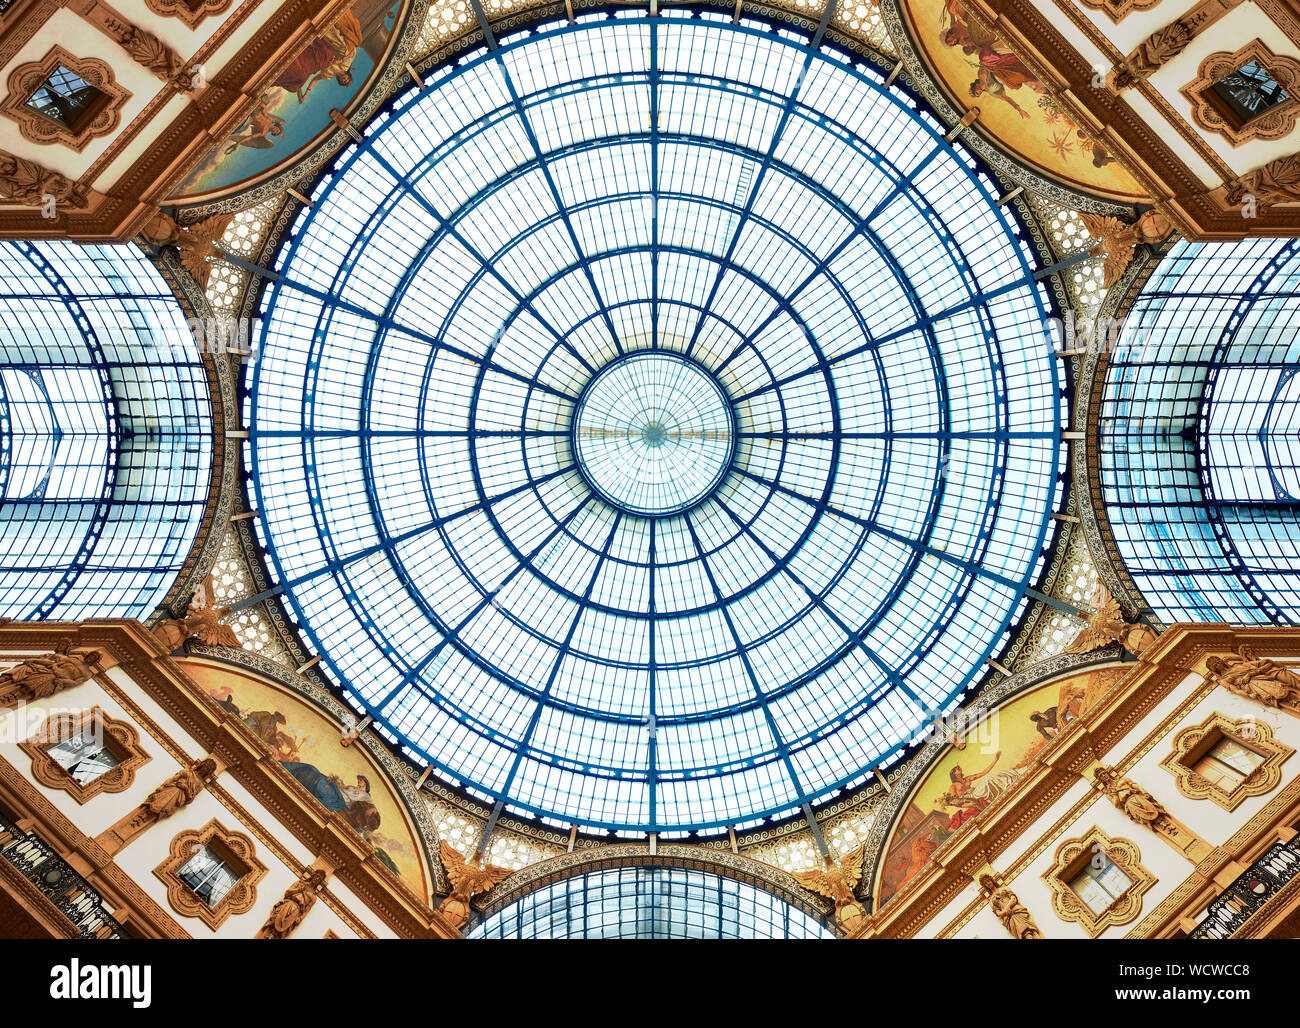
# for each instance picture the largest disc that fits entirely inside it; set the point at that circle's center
(714, 195)
(105, 433)
(650, 903)
(1200, 434)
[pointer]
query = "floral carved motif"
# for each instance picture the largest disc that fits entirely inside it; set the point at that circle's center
(37, 678)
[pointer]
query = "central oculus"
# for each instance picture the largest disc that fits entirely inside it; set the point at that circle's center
(654, 433)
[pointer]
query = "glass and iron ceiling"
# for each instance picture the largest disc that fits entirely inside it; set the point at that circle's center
(650, 903)
(652, 424)
(105, 433)
(1200, 434)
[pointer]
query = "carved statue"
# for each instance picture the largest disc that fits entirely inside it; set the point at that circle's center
(196, 242)
(151, 52)
(26, 182)
(1008, 909)
(1257, 678)
(201, 623)
(1157, 50)
(1133, 801)
(1107, 624)
(39, 677)
(289, 912)
(467, 881)
(837, 883)
(1278, 181)
(1118, 240)
(179, 790)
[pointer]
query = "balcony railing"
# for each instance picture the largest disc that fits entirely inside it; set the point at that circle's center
(1247, 894)
(74, 897)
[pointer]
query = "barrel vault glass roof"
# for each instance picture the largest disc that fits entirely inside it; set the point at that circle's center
(1200, 434)
(105, 433)
(650, 903)
(740, 199)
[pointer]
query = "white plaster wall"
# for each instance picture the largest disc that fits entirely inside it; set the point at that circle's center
(1148, 724)
(143, 854)
(945, 916)
(1133, 27)
(1168, 866)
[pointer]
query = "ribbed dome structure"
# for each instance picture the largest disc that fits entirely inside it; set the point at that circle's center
(653, 422)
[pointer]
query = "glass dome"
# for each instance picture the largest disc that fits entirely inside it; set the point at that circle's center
(650, 903)
(1199, 449)
(105, 433)
(653, 424)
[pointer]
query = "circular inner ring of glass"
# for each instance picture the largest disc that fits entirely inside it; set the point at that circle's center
(613, 191)
(653, 433)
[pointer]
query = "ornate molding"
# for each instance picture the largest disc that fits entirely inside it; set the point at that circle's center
(100, 119)
(918, 76)
(1116, 10)
(27, 182)
(1192, 743)
(1211, 113)
(1072, 856)
(188, 12)
(390, 81)
(237, 849)
(902, 787)
(145, 48)
(120, 738)
(724, 863)
(396, 771)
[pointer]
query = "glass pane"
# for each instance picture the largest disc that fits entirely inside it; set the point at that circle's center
(84, 757)
(1250, 91)
(64, 97)
(650, 903)
(1099, 887)
(814, 515)
(208, 875)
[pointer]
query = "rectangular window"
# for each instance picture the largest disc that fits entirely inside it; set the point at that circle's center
(209, 875)
(1099, 887)
(1227, 763)
(1250, 91)
(85, 756)
(66, 98)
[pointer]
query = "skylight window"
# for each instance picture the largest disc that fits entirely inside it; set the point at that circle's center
(798, 520)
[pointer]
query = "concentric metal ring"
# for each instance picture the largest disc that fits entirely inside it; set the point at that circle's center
(654, 433)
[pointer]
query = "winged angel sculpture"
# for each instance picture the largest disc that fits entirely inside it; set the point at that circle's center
(837, 883)
(1106, 625)
(201, 622)
(1118, 240)
(467, 881)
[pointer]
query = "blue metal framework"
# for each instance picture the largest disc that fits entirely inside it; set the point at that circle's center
(1200, 451)
(105, 433)
(650, 903)
(734, 194)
